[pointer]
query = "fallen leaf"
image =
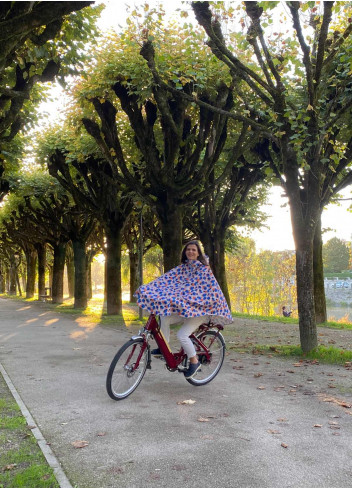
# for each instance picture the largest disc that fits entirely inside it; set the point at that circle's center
(10, 466)
(317, 426)
(261, 388)
(31, 427)
(80, 443)
(103, 433)
(284, 445)
(282, 420)
(258, 375)
(203, 420)
(187, 401)
(274, 432)
(337, 401)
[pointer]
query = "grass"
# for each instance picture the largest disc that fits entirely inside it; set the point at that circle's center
(322, 354)
(22, 463)
(271, 319)
(341, 324)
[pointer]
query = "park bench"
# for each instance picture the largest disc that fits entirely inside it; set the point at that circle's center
(47, 296)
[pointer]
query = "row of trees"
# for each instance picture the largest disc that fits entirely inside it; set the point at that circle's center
(192, 137)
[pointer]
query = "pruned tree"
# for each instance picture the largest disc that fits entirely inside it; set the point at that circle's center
(39, 41)
(169, 148)
(304, 101)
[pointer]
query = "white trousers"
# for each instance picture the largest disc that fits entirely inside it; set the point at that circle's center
(189, 325)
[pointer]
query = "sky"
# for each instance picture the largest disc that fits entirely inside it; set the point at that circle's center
(279, 235)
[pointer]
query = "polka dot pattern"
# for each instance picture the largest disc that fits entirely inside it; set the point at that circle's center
(188, 290)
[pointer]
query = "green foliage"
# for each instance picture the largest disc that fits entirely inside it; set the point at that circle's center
(262, 283)
(336, 256)
(181, 58)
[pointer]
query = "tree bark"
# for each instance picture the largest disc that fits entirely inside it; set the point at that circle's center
(2, 279)
(214, 247)
(134, 274)
(171, 218)
(89, 280)
(58, 272)
(113, 271)
(219, 268)
(31, 259)
(305, 297)
(41, 251)
(80, 263)
(319, 291)
(12, 276)
(70, 268)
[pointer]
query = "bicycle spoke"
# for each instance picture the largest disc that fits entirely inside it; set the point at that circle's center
(127, 370)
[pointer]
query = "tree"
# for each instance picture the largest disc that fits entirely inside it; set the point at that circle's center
(336, 255)
(177, 146)
(303, 110)
(38, 42)
(77, 164)
(232, 203)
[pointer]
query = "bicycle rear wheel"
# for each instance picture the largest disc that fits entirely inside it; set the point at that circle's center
(123, 376)
(215, 344)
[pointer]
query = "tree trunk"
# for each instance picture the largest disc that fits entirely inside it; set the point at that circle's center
(113, 271)
(12, 276)
(214, 247)
(58, 273)
(89, 280)
(319, 291)
(171, 225)
(31, 259)
(219, 266)
(2, 279)
(305, 297)
(70, 268)
(80, 265)
(41, 251)
(134, 274)
(18, 283)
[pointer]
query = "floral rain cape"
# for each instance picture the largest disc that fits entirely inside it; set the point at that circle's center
(187, 290)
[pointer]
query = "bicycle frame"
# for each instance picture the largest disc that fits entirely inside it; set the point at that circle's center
(173, 360)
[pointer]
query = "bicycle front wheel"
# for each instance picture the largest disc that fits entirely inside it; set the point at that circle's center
(124, 375)
(211, 365)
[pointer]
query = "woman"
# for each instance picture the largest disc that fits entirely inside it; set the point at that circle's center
(187, 293)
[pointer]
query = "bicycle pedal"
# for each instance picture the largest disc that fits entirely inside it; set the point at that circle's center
(182, 369)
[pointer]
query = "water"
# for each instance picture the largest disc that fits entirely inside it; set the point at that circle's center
(337, 312)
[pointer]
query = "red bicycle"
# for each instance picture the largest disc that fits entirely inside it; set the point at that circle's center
(132, 360)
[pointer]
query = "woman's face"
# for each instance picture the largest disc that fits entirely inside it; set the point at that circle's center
(192, 252)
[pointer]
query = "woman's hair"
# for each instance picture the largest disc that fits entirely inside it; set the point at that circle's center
(202, 258)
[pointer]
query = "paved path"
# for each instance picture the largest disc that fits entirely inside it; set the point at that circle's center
(260, 412)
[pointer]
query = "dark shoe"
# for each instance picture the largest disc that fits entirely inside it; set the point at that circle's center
(156, 352)
(192, 370)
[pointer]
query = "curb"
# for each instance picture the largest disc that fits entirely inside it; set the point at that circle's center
(47, 452)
